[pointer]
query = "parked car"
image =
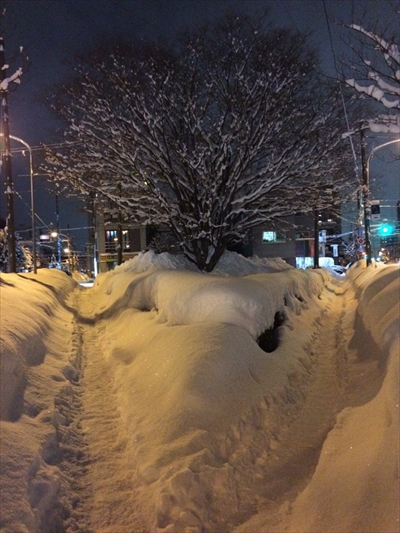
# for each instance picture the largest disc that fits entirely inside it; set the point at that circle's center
(338, 269)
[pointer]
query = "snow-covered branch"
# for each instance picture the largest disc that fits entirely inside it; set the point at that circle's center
(14, 78)
(208, 147)
(378, 68)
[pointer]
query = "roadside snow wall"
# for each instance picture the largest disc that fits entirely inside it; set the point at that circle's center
(356, 483)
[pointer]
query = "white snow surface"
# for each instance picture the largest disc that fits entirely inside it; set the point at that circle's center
(145, 404)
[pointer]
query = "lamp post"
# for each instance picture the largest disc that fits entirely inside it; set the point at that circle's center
(367, 209)
(32, 199)
(67, 250)
(61, 237)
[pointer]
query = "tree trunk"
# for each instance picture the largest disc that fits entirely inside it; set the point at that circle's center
(203, 254)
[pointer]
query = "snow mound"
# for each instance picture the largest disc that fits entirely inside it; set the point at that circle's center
(183, 409)
(151, 262)
(358, 466)
(187, 298)
(230, 264)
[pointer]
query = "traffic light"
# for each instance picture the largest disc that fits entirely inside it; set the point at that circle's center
(388, 234)
(385, 229)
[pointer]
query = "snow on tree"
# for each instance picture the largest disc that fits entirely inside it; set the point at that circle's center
(350, 250)
(22, 261)
(3, 251)
(375, 73)
(28, 257)
(218, 133)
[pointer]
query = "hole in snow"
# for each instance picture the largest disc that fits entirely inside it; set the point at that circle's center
(269, 339)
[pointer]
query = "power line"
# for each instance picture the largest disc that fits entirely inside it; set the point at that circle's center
(43, 147)
(28, 206)
(284, 5)
(356, 169)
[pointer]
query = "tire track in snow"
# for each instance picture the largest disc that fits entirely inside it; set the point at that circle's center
(109, 473)
(90, 438)
(63, 452)
(296, 456)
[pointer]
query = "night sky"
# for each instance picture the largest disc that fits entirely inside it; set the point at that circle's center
(51, 31)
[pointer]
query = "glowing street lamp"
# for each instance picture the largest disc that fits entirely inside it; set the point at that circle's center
(67, 249)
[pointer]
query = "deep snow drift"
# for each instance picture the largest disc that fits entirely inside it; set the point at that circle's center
(146, 403)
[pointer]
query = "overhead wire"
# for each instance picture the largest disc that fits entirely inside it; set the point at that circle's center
(27, 205)
(289, 15)
(356, 167)
(42, 147)
(355, 159)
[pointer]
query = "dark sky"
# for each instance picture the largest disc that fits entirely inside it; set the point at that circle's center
(51, 31)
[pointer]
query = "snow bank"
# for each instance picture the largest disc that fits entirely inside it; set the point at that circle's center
(200, 406)
(379, 293)
(28, 312)
(361, 452)
(185, 297)
(38, 355)
(230, 264)
(201, 401)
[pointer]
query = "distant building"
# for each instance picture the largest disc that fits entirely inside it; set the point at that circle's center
(294, 239)
(113, 237)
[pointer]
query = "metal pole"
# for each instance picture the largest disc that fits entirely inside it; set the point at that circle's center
(367, 164)
(32, 200)
(316, 238)
(119, 230)
(33, 215)
(365, 175)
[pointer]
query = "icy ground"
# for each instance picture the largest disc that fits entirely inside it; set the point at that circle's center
(257, 399)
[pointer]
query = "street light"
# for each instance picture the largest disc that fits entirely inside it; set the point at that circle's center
(55, 234)
(32, 198)
(365, 169)
(66, 249)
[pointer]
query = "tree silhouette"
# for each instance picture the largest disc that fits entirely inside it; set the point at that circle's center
(219, 133)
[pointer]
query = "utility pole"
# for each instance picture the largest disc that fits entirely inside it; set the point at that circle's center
(367, 207)
(5, 125)
(90, 245)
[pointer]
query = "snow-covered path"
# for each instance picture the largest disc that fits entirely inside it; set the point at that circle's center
(109, 486)
(298, 450)
(147, 404)
(107, 491)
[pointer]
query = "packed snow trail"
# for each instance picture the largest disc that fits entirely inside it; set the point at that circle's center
(340, 376)
(153, 404)
(298, 449)
(102, 482)
(111, 487)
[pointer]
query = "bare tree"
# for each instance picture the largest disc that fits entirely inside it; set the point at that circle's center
(210, 137)
(374, 70)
